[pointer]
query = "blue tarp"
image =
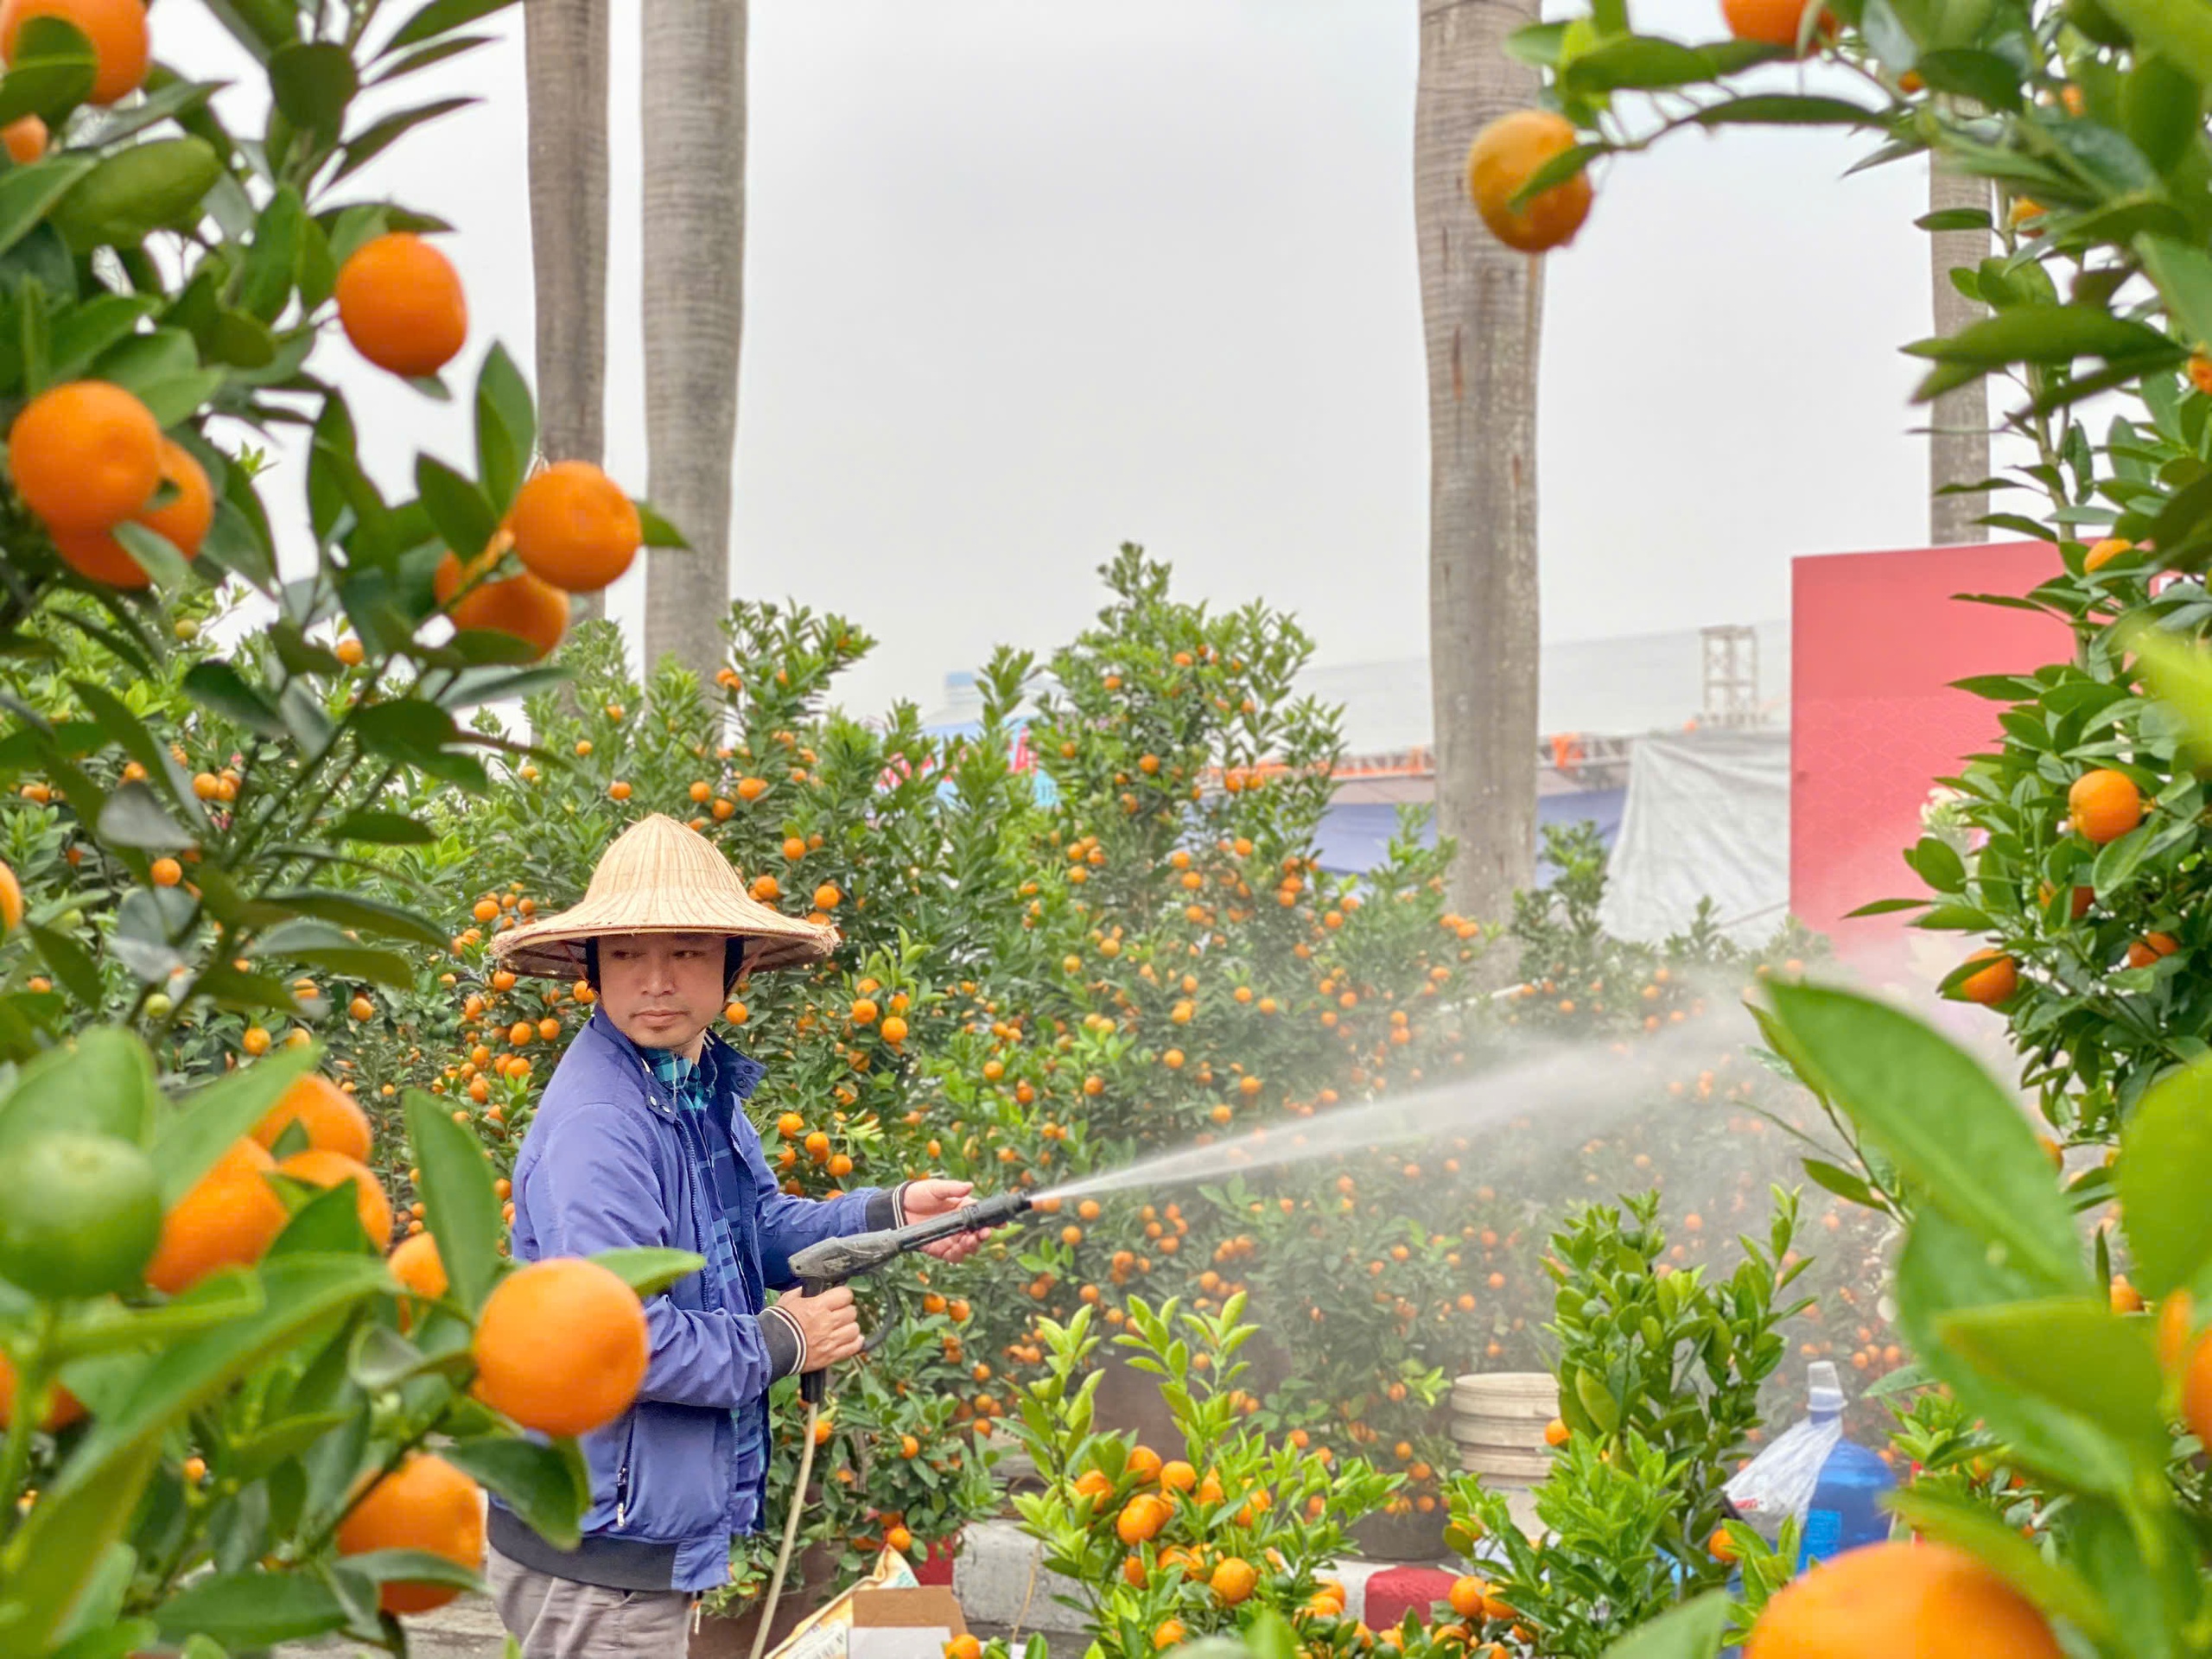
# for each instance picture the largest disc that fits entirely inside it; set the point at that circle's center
(1041, 786)
(1354, 835)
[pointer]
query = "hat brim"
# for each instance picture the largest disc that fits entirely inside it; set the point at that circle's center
(555, 947)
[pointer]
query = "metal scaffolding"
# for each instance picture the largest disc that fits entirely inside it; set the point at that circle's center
(1731, 676)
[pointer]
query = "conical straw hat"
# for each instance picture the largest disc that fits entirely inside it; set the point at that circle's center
(662, 877)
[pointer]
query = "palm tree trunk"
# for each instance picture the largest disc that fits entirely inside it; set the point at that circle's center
(1482, 308)
(693, 295)
(1958, 443)
(565, 46)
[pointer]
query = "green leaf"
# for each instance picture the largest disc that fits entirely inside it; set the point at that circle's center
(383, 829)
(2182, 33)
(107, 1327)
(367, 145)
(1840, 1181)
(253, 1456)
(1781, 109)
(1641, 62)
(1597, 1402)
(92, 1629)
(305, 1293)
(103, 1084)
(171, 402)
(1983, 76)
(2183, 275)
(2163, 109)
(253, 1610)
(1937, 1116)
(273, 260)
(1945, 1268)
(2074, 1352)
(658, 531)
(156, 554)
(217, 686)
(328, 1221)
(2118, 861)
(26, 193)
(2052, 1586)
(2181, 524)
(1692, 1630)
(158, 184)
(359, 961)
(412, 1567)
(506, 429)
(182, 101)
(83, 332)
(457, 509)
(140, 744)
(144, 361)
(69, 962)
(407, 729)
(1937, 863)
(365, 915)
(383, 1359)
(442, 18)
(547, 1485)
(47, 1565)
(52, 73)
(461, 1210)
(1270, 1637)
(211, 1119)
(134, 816)
(648, 1270)
(2165, 1163)
(312, 83)
(1887, 907)
(2046, 333)
(423, 57)
(1955, 219)
(257, 25)
(1537, 44)
(2181, 679)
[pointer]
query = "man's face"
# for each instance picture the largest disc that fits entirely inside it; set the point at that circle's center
(662, 990)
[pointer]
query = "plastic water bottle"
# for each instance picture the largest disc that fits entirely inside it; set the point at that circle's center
(1846, 1508)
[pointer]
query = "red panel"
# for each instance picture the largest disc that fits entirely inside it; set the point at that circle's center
(1397, 1591)
(1875, 641)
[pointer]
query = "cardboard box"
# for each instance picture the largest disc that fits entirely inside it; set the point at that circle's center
(912, 1623)
(886, 1616)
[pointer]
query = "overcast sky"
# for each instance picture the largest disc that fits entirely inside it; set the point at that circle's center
(1026, 279)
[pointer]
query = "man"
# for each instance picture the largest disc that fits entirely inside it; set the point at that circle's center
(641, 1139)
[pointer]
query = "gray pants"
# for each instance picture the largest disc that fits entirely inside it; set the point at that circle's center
(559, 1618)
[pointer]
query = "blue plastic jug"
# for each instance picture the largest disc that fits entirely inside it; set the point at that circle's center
(1846, 1509)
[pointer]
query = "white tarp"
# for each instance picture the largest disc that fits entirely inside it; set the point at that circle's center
(1707, 815)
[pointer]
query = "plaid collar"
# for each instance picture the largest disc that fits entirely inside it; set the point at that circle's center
(687, 1081)
(719, 1066)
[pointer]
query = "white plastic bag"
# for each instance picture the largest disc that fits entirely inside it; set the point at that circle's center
(1777, 1485)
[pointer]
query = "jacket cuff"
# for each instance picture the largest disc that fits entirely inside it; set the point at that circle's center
(887, 1209)
(786, 1343)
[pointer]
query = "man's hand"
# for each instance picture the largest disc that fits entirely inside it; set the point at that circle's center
(830, 1322)
(924, 1200)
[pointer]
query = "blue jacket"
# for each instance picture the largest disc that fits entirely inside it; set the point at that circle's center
(604, 1167)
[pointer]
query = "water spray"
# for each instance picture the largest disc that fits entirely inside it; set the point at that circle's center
(822, 1267)
(1545, 1078)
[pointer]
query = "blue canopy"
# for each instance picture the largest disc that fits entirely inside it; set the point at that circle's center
(1354, 837)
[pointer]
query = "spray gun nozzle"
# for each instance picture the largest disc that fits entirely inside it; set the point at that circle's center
(835, 1260)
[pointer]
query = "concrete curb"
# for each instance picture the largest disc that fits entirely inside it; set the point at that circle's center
(993, 1574)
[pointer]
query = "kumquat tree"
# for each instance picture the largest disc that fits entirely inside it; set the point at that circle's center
(261, 1354)
(228, 1422)
(1038, 983)
(2077, 1363)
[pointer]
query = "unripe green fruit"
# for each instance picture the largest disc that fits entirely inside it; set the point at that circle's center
(81, 1215)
